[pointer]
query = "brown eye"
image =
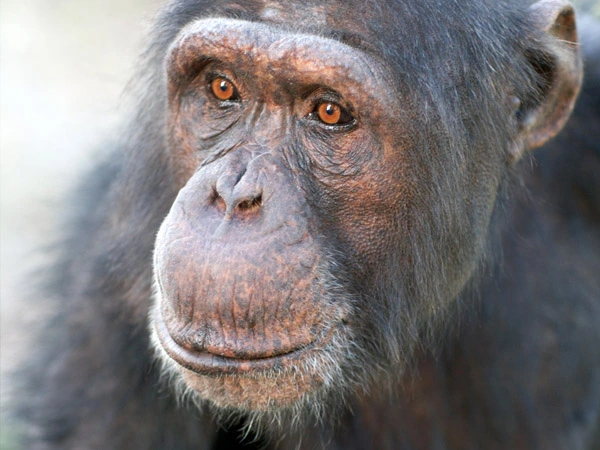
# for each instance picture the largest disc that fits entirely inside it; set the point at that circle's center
(223, 89)
(329, 113)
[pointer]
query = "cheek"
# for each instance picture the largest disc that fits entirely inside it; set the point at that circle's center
(335, 157)
(367, 205)
(373, 222)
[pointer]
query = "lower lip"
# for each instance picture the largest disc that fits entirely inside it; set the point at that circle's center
(205, 363)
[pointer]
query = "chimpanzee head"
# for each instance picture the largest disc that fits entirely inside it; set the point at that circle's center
(338, 164)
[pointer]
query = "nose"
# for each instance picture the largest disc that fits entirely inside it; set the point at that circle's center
(240, 194)
(246, 195)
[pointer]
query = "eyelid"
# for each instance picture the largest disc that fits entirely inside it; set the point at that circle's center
(321, 94)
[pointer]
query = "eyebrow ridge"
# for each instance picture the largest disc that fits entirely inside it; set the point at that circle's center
(351, 39)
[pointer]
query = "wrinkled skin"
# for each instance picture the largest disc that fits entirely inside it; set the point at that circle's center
(344, 256)
(244, 280)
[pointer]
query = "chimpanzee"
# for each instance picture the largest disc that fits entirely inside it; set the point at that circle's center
(323, 228)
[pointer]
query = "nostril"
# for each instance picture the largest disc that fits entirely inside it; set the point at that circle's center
(251, 203)
(218, 201)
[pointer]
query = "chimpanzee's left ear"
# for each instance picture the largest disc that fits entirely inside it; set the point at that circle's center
(557, 60)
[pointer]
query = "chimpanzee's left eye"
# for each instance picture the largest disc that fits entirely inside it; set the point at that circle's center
(331, 113)
(223, 89)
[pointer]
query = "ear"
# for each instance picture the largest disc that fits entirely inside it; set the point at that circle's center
(557, 61)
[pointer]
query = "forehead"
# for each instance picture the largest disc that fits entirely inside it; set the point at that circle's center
(346, 21)
(285, 12)
(318, 14)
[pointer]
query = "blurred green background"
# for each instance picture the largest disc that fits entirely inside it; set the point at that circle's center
(63, 66)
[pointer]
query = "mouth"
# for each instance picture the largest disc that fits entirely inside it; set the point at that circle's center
(207, 363)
